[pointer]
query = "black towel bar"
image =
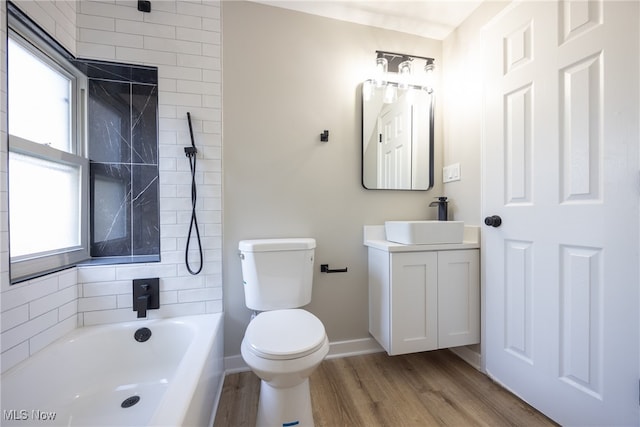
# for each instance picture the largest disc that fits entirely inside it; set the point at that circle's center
(324, 268)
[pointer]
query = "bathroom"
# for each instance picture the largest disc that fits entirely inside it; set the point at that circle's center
(264, 170)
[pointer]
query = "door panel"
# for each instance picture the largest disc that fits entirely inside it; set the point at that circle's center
(518, 322)
(581, 364)
(560, 166)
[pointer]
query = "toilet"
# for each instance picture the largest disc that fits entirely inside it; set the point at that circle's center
(283, 344)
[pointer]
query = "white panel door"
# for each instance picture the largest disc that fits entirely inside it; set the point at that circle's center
(560, 167)
(394, 155)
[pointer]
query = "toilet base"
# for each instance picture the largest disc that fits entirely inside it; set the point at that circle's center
(285, 406)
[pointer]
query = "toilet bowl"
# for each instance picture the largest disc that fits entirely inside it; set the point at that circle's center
(283, 347)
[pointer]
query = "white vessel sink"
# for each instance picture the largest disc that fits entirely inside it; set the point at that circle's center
(424, 232)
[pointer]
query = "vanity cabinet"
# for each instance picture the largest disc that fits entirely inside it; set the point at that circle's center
(424, 300)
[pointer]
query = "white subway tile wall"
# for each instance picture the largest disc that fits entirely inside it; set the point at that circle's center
(11, 317)
(58, 18)
(182, 39)
(36, 313)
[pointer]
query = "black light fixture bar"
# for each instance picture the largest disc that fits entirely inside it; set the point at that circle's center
(394, 59)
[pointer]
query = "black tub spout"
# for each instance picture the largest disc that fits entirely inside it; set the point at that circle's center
(142, 303)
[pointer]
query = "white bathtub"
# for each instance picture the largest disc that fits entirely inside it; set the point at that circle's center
(83, 378)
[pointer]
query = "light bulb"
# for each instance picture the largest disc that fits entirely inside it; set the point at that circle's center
(367, 90)
(404, 69)
(381, 70)
(390, 94)
(428, 69)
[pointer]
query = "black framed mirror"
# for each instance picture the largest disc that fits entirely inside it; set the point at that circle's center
(397, 137)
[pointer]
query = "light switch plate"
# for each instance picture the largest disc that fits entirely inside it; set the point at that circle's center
(451, 173)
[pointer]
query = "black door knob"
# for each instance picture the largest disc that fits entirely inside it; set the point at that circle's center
(493, 221)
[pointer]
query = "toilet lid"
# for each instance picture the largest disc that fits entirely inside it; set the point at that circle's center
(285, 334)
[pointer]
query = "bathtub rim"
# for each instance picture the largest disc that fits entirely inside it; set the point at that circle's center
(179, 398)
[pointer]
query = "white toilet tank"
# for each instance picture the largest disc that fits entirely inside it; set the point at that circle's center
(277, 273)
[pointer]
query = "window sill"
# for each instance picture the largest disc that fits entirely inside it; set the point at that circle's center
(96, 261)
(114, 260)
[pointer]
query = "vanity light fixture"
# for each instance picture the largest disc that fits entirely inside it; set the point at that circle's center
(401, 63)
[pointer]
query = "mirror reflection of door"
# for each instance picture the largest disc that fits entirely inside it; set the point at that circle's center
(394, 152)
(397, 139)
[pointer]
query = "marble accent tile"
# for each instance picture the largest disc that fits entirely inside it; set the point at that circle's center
(144, 124)
(111, 208)
(109, 121)
(123, 148)
(103, 70)
(145, 209)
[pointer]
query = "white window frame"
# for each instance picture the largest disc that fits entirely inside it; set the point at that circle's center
(33, 265)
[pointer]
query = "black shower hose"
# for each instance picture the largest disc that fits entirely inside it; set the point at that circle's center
(191, 154)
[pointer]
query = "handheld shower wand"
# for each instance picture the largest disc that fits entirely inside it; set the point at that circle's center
(191, 154)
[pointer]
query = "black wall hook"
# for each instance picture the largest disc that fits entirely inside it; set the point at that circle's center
(324, 136)
(144, 6)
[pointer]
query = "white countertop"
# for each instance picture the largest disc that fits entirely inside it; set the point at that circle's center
(374, 237)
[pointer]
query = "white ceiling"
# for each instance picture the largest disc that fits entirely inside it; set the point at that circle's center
(427, 18)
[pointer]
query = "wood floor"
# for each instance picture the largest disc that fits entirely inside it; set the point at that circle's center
(423, 389)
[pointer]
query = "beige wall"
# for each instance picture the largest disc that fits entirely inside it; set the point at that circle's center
(287, 76)
(462, 121)
(462, 111)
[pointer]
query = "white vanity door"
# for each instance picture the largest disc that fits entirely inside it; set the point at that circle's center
(560, 167)
(458, 298)
(414, 302)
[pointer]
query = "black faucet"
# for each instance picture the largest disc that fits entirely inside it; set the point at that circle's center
(146, 295)
(442, 208)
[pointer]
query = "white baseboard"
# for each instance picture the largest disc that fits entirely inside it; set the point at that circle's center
(234, 364)
(355, 347)
(337, 349)
(471, 357)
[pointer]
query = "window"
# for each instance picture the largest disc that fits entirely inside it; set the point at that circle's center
(48, 168)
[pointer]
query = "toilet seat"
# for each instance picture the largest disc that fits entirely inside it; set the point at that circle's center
(285, 334)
